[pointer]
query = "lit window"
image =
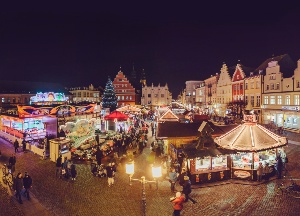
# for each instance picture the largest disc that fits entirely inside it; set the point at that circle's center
(268, 87)
(266, 99)
(296, 100)
(3, 100)
(272, 99)
(287, 100)
(277, 86)
(279, 100)
(257, 100)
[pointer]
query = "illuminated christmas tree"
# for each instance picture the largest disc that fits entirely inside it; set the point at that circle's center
(109, 98)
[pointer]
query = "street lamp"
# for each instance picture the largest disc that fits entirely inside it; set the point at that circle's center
(156, 173)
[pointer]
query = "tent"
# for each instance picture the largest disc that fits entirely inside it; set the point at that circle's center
(116, 115)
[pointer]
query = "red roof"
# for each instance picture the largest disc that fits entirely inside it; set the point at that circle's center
(116, 115)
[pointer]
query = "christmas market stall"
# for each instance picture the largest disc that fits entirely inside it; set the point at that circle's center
(254, 143)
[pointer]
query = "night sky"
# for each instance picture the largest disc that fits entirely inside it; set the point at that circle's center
(82, 43)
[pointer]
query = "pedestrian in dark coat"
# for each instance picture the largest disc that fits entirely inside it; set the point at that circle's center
(24, 145)
(97, 139)
(73, 172)
(27, 182)
(181, 177)
(279, 166)
(99, 155)
(12, 163)
(18, 186)
(58, 166)
(16, 145)
(187, 189)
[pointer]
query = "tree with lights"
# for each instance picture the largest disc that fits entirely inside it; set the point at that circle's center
(109, 98)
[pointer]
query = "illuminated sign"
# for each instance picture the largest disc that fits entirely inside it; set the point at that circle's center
(48, 97)
(292, 108)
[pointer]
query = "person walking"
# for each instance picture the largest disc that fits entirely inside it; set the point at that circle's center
(172, 179)
(58, 166)
(260, 170)
(73, 171)
(279, 166)
(27, 182)
(178, 204)
(12, 162)
(99, 156)
(16, 145)
(181, 176)
(110, 175)
(97, 139)
(18, 187)
(187, 189)
(24, 145)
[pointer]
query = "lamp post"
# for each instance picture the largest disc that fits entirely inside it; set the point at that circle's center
(156, 173)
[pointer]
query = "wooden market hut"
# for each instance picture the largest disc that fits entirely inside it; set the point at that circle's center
(115, 121)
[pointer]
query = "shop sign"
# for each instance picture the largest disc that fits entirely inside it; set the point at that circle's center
(221, 175)
(242, 174)
(197, 178)
(292, 108)
(209, 176)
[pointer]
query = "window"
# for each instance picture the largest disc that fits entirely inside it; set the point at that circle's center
(156, 95)
(130, 98)
(194, 93)
(252, 85)
(272, 99)
(79, 94)
(257, 85)
(234, 87)
(162, 95)
(120, 80)
(279, 100)
(272, 77)
(287, 100)
(266, 99)
(122, 97)
(149, 95)
(257, 100)
(126, 97)
(267, 87)
(241, 87)
(246, 99)
(14, 100)
(246, 86)
(118, 97)
(84, 94)
(272, 86)
(252, 100)
(277, 86)
(298, 84)
(3, 100)
(8, 100)
(296, 100)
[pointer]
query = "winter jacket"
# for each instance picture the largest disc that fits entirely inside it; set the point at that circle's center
(27, 182)
(73, 171)
(178, 203)
(58, 162)
(260, 170)
(18, 184)
(173, 176)
(187, 187)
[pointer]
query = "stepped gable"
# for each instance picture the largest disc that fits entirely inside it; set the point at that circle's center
(287, 65)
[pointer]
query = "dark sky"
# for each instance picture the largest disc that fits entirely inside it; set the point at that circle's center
(83, 43)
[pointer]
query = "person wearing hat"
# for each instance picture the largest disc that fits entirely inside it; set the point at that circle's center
(178, 204)
(260, 169)
(187, 189)
(27, 182)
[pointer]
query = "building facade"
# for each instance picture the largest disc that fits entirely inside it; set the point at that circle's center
(200, 97)
(253, 90)
(281, 97)
(85, 94)
(190, 92)
(211, 93)
(125, 92)
(154, 96)
(224, 91)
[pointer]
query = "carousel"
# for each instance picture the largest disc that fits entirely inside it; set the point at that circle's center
(253, 144)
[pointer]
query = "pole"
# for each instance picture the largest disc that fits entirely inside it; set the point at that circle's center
(143, 195)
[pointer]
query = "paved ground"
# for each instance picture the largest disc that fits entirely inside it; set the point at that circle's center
(90, 195)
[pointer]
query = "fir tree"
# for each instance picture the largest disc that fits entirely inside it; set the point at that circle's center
(109, 98)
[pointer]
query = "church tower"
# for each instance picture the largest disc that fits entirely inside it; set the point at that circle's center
(143, 78)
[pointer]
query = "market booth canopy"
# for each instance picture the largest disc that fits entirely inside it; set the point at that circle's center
(129, 108)
(116, 115)
(250, 137)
